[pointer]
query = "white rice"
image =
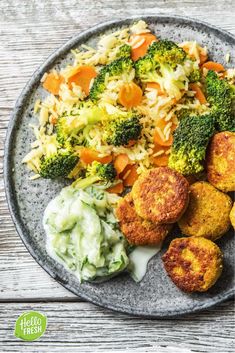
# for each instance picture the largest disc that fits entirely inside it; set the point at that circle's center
(153, 108)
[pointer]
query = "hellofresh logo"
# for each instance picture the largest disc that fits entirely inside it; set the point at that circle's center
(30, 326)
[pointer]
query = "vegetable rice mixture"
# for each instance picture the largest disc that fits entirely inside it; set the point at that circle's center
(135, 102)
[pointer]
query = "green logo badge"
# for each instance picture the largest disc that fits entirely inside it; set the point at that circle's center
(30, 326)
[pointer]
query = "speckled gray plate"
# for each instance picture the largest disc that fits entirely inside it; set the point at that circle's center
(155, 296)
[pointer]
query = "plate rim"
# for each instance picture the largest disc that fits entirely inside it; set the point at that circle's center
(8, 180)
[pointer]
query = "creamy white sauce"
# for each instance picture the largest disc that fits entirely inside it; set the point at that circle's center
(139, 259)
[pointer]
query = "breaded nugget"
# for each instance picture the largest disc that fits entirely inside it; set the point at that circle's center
(161, 195)
(137, 230)
(232, 216)
(208, 211)
(194, 264)
(221, 161)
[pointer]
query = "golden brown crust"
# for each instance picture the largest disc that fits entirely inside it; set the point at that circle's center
(221, 161)
(193, 264)
(208, 211)
(232, 216)
(161, 195)
(137, 230)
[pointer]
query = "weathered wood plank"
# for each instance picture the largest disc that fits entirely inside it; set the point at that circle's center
(24, 46)
(82, 327)
(30, 31)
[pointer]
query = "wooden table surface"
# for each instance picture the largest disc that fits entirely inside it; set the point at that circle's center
(30, 31)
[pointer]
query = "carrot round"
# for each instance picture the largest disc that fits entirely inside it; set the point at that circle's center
(158, 148)
(131, 143)
(203, 58)
(116, 189)
(130, 95)
(130, 175)
(52, 83)
(223, 74)
(140, 44)
(83, 77)
(156, 86)
(120, 162)
(87, 156)
(161, 161)
(198, 93)
(159, 137)
(53, 120)
(211, 65)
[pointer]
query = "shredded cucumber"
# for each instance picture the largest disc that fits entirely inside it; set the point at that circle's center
(83, 234)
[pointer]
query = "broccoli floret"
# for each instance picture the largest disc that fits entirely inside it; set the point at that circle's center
(105, 172)
(96, 172)
(58, 165)
(98, 86)
(71, 128)
(62, 133)
(119, 66)
(145, 65)
(124, 51)
(159, 65)
(120, 130)
(190, 142)
(221, 95)
(160, 53)
(195, 75)
(115, 68)
(166, 51)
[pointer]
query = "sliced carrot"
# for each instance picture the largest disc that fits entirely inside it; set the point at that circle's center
(198, 93)
(53, 120)
(140, 44)
(159, 140)
(52, 83)
(116, 189)
(223, 74)
(120, 162)
(161, 161)
(125, 172)
(88, 156)
(159, 137)
(174, 100)
(158, 148)
(130, 176)
(211, 65)
(156, 86)
(130, 95)
(203, 58)
(83, 77)
(187, 49)
(131, 143)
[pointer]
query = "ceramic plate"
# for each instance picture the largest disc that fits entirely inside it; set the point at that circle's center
(155, 296)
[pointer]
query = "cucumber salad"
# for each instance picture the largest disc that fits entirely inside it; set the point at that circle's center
(83, 234)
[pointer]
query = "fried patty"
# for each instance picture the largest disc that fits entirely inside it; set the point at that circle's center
(137, 230)
(208, 211)
(221, 161)
(161, 195)
(232, 215)
(193, 264)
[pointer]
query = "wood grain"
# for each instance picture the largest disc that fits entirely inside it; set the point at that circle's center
(30, 31)
(83, 327)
